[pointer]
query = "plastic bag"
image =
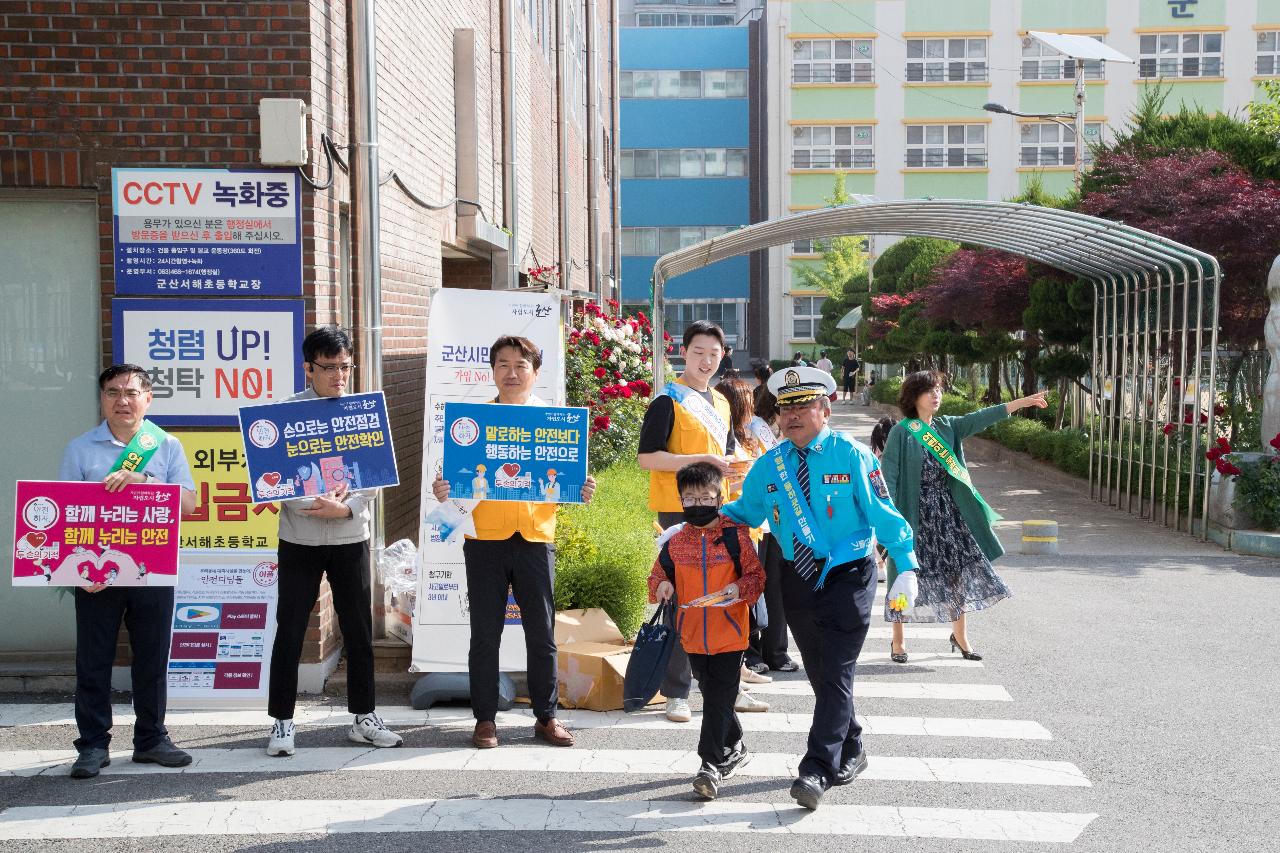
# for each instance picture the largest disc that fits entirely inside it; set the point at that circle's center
(398, 567)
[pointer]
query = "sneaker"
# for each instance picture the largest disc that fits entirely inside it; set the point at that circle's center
(760, 668)
(164, 753)
(707, 783)
(678, 711)
(746, 703)
(89, 763)
(735, 761)
(750, 676)
(369, 728)
(281, 742)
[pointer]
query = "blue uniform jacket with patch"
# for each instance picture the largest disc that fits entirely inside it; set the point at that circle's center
(847, 492)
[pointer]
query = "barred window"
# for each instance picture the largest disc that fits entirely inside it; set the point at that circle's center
(1050, 144)
(946, 146)
(682, 19)
(832, 147)
(832, 61)
(1041, 62)
(1180, 55)
(1269, 53)
(806, 312)
(947, 60)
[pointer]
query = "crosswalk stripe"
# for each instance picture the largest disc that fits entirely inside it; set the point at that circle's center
(399, 716)
(864, 688)
(929, 659)
(535, 759)
(279, 817)
(911, 631)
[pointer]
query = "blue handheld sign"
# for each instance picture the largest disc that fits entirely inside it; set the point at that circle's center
(515, 453)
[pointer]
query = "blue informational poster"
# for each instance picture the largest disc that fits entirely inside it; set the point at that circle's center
(207, 232)
(309, 447)
(515, 453)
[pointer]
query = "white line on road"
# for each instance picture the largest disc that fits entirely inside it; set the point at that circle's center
(291, 817)
(863, 688)
(535, 759)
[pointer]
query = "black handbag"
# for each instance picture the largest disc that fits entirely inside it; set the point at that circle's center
(648, 663)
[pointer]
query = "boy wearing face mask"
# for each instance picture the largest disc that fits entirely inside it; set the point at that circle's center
(693, 563)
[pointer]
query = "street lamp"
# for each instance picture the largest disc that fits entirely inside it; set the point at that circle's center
(1078, 48)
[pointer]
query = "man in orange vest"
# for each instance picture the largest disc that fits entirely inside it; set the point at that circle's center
(513, 549)
(687, 422)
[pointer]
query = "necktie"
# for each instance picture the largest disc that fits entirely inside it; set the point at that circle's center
(803, 555)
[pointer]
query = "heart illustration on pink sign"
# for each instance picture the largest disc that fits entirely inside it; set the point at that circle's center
(36, 539)
(511, 469)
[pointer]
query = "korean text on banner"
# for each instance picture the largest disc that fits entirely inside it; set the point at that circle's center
(461, 327)
(310, 447)
(224, 617)
(515, 453)
(225, 516)
(183, 232)
(79, 534)
(208, 357)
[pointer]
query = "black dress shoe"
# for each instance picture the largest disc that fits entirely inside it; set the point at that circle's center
(897, 657)
(851, 768)
(967, 654)
(808, 791)
(89, 763)
(164, 753)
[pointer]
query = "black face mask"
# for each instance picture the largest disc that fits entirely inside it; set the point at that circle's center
(701, 516)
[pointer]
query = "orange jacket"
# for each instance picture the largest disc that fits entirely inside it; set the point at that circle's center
(702, 566)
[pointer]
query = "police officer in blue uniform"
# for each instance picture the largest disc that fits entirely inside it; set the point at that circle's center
(823, 495)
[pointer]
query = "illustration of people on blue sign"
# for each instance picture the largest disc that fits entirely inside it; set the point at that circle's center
(550, 489)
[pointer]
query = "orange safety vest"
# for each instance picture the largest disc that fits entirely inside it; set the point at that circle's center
(690, 438)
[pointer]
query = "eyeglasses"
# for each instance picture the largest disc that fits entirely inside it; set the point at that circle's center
(700, 501)
(128, 393)
(333, 368)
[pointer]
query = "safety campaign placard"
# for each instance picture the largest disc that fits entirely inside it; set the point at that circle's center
(79, 534)
(224, 616)
(309, 447)
(515, 453)
(202, 232)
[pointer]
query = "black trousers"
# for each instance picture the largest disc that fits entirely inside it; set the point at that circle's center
(298, 586)
(718, 680)
(769, 644)
(529, 569)
(148, 614)
(830, 626)
(679, 677)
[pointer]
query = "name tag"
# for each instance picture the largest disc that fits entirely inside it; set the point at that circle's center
(835, 479)
(771, 488)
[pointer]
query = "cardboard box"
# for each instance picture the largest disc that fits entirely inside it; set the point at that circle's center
(399, 615)
(592, 660)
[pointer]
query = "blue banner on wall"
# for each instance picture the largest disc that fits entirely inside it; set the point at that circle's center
(221, 232)
(310, 447)
(515, 453)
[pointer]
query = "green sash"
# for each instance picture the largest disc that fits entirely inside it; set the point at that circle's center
(138, 452)
(932, 442)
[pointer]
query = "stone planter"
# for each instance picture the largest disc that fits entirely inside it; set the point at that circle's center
(1222, 493)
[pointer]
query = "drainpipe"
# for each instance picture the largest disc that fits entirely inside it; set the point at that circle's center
(562, 122)
(510, 177)
(595, 278)
(615, 124)
(364, 115)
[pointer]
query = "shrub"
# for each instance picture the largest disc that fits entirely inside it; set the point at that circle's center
(1258, 491)
(954, 404)
(604, 549)
(1016, 433)
(886, 390)
(1041, 444)
(1066, 443)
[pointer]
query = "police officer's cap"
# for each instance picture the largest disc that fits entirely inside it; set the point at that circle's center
(795, 386)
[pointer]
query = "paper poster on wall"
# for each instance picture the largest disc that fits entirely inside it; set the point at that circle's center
(224, 617)
(225, 515)
(462, 325)
(209, 357)
(79, 534)
(215, 232)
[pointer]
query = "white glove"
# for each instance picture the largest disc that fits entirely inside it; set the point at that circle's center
(904, 585)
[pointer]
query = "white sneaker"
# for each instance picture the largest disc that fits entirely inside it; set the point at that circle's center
(746, 703)
(678, 711)
(281, 742)
(751, 677)
(369, 728)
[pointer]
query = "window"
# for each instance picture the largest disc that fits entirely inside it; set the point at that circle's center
(1269, 53)
(1180, 55)
(683, 162)
(659, 241)
(731, 83)
(681, 19)
(831, 61)
(1041, 62)
(946, 146)
(947, 60)
(807, 247)
(806, 311)
(677, 315)
(832, 147)
(1050, 144)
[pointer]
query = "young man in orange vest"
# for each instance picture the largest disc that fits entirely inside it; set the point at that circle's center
(513, 548)
(687, 422)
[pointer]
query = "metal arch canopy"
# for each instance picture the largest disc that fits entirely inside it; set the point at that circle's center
(851, 320)
(1125, 265)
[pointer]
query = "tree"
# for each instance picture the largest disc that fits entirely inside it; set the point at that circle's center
(896, 331)
(1061, 312)
(834, 309)
(843, 258)
(1264, 117)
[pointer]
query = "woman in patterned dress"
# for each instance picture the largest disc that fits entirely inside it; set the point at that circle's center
(954, 541)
